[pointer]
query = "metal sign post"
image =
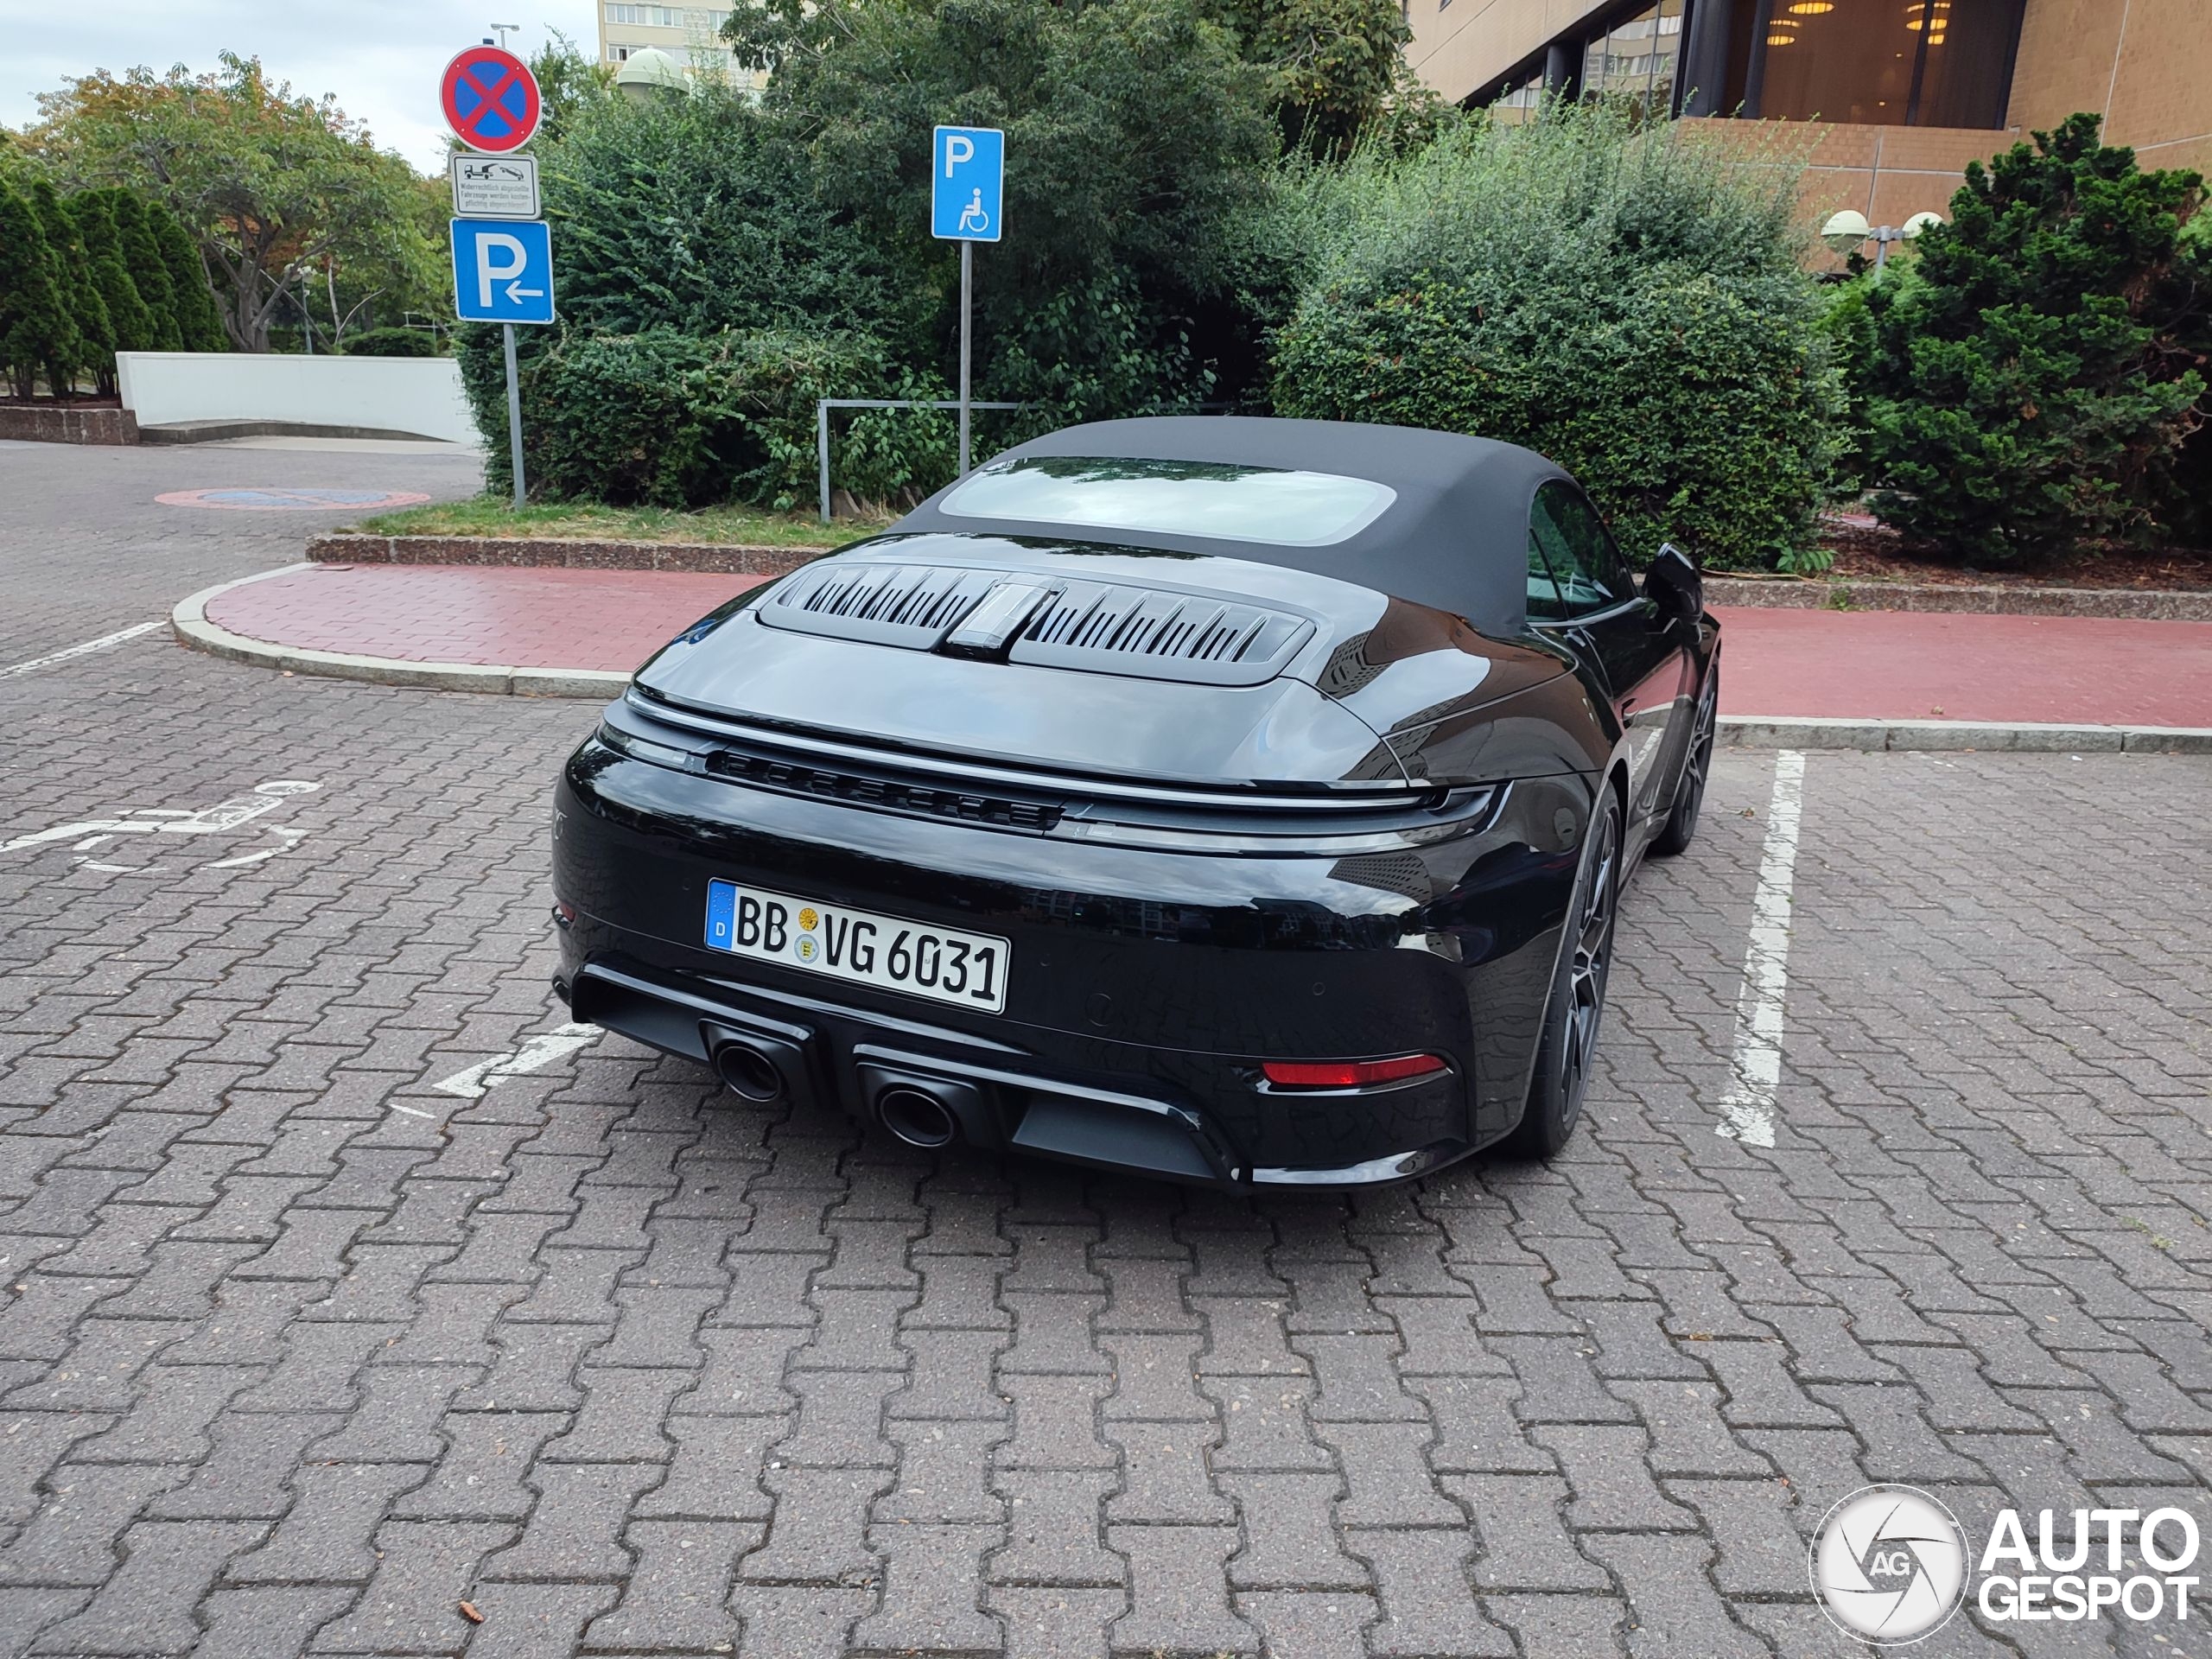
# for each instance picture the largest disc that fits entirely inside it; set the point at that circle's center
(967, 310)
(503, 273)
(502, 251)
(514, 418)
(966, 201)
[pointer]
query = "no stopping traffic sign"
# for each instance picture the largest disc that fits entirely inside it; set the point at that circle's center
(490, 99)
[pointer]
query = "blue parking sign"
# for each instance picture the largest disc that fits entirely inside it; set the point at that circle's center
(967, 183)
(502, 270)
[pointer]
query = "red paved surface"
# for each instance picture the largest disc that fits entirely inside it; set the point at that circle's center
(1890, 664)
(1947, 665)
(468, 614)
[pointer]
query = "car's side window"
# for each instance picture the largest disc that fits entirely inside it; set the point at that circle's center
(1567, 528)
(1545, 604)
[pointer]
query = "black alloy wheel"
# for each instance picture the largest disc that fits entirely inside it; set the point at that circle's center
(1680, 827)
(1569, 1044)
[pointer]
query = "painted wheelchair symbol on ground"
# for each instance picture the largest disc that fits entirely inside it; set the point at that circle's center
(260, 501)
(97, 834)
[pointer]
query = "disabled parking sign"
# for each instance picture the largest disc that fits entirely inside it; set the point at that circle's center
(967, 183)
(502, 270)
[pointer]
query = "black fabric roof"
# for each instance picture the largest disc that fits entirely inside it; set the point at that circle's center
(1457, 536)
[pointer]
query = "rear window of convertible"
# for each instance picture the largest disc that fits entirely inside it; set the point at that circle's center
(1174, 498)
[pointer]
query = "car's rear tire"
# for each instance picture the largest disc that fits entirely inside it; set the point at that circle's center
(1680, 828)
(1569, 1043)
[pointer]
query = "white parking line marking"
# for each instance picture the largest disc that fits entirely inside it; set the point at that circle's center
(535, 1054)
(1747, 1109)
(90, 646)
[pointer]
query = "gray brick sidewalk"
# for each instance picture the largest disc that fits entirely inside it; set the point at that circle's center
(297, 1352)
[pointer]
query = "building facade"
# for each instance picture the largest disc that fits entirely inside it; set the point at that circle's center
(690, 35)
(1906, 91)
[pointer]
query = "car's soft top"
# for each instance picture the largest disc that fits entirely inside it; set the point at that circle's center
(1454, 534)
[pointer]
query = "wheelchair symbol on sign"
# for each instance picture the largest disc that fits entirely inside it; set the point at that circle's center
(972, 217)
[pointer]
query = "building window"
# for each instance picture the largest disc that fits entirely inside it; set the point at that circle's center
(1920, 63)
(1518, 105)
(646, 17)
(1637, 57)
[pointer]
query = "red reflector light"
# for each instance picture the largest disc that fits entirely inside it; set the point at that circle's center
(1348, 1074)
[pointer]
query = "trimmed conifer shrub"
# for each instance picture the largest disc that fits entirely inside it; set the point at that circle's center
(198, 322)
(37, 336)
(2035, 373)
(134, 329)
(95, 345)
(149, 271)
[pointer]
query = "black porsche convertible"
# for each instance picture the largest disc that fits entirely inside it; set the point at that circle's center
(1239, 801)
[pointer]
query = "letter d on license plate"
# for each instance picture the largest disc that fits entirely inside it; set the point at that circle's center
(941, 964)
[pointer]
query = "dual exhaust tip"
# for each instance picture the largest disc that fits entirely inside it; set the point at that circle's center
(750, 1072)
(912, 1111)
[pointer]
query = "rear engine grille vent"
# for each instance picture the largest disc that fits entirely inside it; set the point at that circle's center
(909, 605)
(1101, 627)
(888, 794)
(1164, 636)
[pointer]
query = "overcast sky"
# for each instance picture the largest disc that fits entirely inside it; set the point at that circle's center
(381, 57)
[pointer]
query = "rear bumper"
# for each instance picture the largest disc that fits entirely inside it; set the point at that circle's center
(1146, 988)
(1003, 1100)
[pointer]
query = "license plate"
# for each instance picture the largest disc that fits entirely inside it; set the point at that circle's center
(941, 963)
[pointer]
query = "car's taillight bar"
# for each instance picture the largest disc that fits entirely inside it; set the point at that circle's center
(1348, 1074)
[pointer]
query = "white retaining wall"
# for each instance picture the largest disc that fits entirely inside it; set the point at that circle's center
(419, 395)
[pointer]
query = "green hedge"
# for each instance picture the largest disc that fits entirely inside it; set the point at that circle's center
(669, 419)
(391, 342)
(1629, 304)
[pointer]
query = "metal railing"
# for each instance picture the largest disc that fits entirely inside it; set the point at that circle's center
(823, 407)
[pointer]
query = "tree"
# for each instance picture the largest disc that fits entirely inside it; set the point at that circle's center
(37, 336)
(1140, 132)
(2036, 370)
(149, 271)
(88, 310)
(132, 328)
(1334, 67)
(199, 324)
(568, 85)
(276, 189)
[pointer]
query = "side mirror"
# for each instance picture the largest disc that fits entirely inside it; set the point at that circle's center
(1672, 584)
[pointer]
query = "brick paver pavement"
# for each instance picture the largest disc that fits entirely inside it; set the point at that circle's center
(298, 1353)
(610, 620)
(1952, 665)
(86, 549)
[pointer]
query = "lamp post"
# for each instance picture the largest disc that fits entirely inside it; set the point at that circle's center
(1847, 229)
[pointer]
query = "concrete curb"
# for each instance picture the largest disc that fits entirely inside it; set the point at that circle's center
(550, 553)
(194, 630)
(1844, 594)
(2023, 737)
